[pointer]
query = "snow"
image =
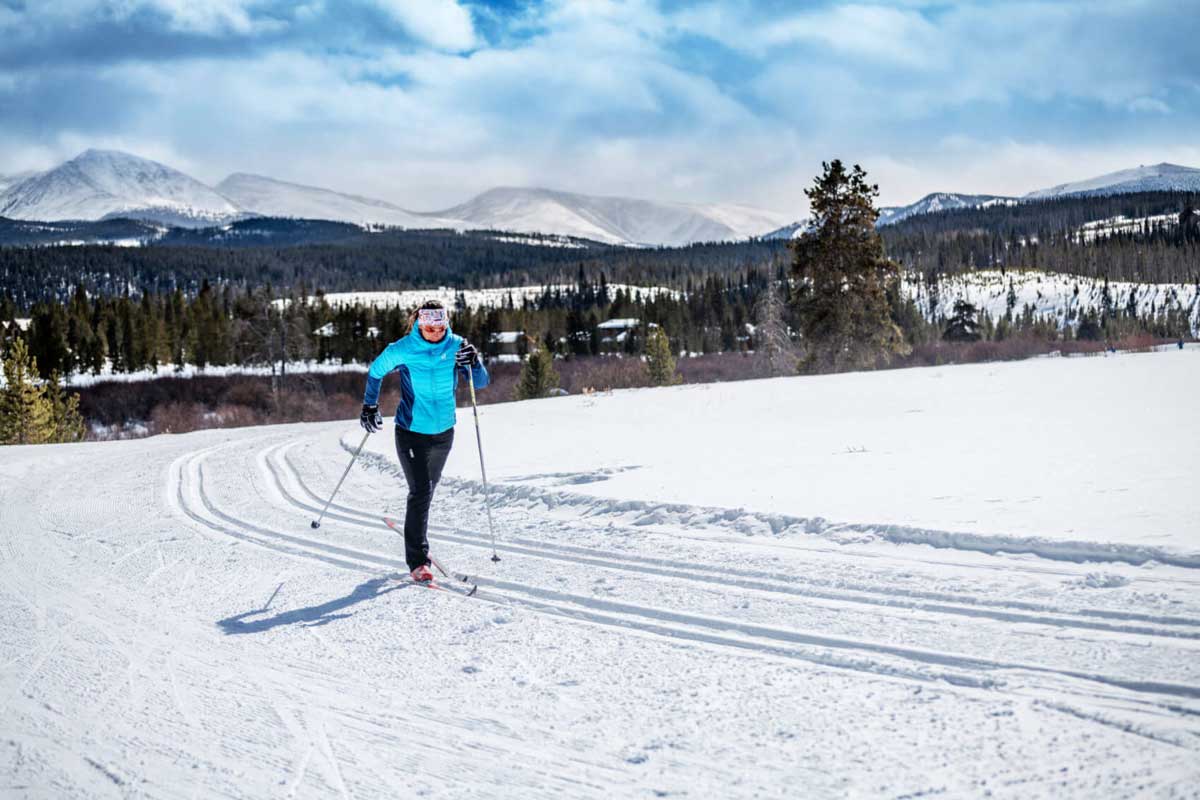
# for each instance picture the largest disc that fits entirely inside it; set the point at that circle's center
(705, 591)
(506, 337)
(474, 298)
(1056, 295)
(191, 370)
(1156, 178)
(542, 241)
(939, 201)
(107, 183)
(1101, 228)
(619, 324)
(613, 220)
(269, 197)
(100, 184)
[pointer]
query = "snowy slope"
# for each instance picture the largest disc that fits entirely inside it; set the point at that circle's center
(1156, 178)
(108, 183)
(674, 614)
(939, 201)
(1058, 296)
(272, 198)
(11, 180)
(615, 220)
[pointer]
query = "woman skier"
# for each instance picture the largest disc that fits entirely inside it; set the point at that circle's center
(428, 360)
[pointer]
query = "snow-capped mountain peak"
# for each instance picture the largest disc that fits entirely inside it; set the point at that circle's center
(1162, 177)
(938, 201)
(99, 184)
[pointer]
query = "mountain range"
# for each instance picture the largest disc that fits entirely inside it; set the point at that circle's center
(110, 184)
(107, 184)
(1155, 178)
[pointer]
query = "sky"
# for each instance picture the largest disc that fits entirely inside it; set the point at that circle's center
(427, 102)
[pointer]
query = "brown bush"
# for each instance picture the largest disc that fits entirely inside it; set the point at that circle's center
(232, 416)
(178, 417)
(178, 405)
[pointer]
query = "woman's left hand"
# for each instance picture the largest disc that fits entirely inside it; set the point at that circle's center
(467, 355)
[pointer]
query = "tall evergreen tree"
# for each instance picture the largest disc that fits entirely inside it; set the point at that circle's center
(842, 276)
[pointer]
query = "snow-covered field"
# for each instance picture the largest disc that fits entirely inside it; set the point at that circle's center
(965, 581)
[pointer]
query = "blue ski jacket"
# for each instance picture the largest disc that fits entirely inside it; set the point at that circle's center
(428, 379)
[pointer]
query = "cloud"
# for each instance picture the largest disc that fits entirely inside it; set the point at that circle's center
(1149, 104)
(444, 24)
(425, 102)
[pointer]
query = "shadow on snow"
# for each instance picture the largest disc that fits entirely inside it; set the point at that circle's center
(310, 616)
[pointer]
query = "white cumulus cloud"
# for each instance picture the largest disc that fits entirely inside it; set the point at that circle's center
(444, 24)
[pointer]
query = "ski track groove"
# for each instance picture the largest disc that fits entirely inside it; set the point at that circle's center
(682, 570)
(651, 621)
(866, 588)
(181, 471)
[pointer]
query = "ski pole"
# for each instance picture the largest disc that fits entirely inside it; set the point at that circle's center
(482, 469)
(316, 523)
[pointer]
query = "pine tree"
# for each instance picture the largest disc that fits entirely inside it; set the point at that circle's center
(842, 276)
(660, 361)
(538, 377)
(964, 325)
(65, 419)
(26, 416)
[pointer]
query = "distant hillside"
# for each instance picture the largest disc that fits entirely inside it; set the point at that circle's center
(938, 202)
(1157, 178)
(614, 220)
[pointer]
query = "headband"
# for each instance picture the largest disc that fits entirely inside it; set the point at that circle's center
(433, 316)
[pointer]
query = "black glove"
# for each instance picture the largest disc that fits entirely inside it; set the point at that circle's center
(467, 355)
(370, 419)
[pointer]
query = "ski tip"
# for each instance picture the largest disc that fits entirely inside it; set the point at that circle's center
(471, 593)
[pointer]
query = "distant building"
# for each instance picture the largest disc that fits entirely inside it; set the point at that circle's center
(329, 330)
(507, 345)
(614, 333)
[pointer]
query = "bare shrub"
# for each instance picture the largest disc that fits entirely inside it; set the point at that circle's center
(233, 416)
(178, 417)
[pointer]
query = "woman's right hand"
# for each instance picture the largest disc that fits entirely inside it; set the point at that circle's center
(370, 419)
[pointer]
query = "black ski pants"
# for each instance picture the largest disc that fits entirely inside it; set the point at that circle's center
(422, 455)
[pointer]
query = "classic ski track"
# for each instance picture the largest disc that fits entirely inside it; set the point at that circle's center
(178, 474)
(690, 572)
(709, 630)
(866, 588)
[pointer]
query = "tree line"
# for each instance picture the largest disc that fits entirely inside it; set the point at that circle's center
(1046, 235)
(834, 303)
